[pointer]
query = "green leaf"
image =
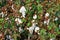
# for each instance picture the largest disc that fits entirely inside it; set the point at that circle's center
(0, 26)
(40, 9)
(28, 24)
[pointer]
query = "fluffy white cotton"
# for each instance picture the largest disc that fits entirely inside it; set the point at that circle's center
(47, 14)
(33, 21)
(18, 20)
(12, 7)
(20, 29)
(31, 28)
(35, 16)
(23, 10)
(52, 39)
(2, 14)
(37, 29)
(47, 21)
(7, 18)
(56, 19)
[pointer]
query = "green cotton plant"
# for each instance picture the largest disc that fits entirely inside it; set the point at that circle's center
(28, 24)
(0, 26)
(6, 25)
(28, 1)
(37, 1)
(43, 33)
(57, 13)
(51, 25)
(2, 3)
(17, 2)
(23, 20)
(1, 20)
(57, 30)
(51, 35)
(39, 8)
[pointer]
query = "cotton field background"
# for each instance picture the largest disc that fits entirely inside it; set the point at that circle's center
(29, 19)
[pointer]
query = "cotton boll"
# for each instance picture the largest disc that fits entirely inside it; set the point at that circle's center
(52, 39)
(18, 20)
(7, 18)
(33, 21)
(20, 29)
(47, 14)
(13, 7)
(35, 16)
(47, 21)
(59, 26)
(23, 14)
(37, 29)
(2, 14)
(22, 10)
(31, 28)
(56, 19)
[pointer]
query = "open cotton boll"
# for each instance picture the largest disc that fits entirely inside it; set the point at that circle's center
(18, 20)
(23, 14)
(52, 39)
(22, 10)
(31, 28)
(47, 21)
(35, 16)
(2, 14)
(47, 14)
(12, 7)
(33, 21)
(37, 29)
(56, 19)
(20, 29)
(7, 18)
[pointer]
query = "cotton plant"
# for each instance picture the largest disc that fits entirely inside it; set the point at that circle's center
(23, 10)
(18, 21)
